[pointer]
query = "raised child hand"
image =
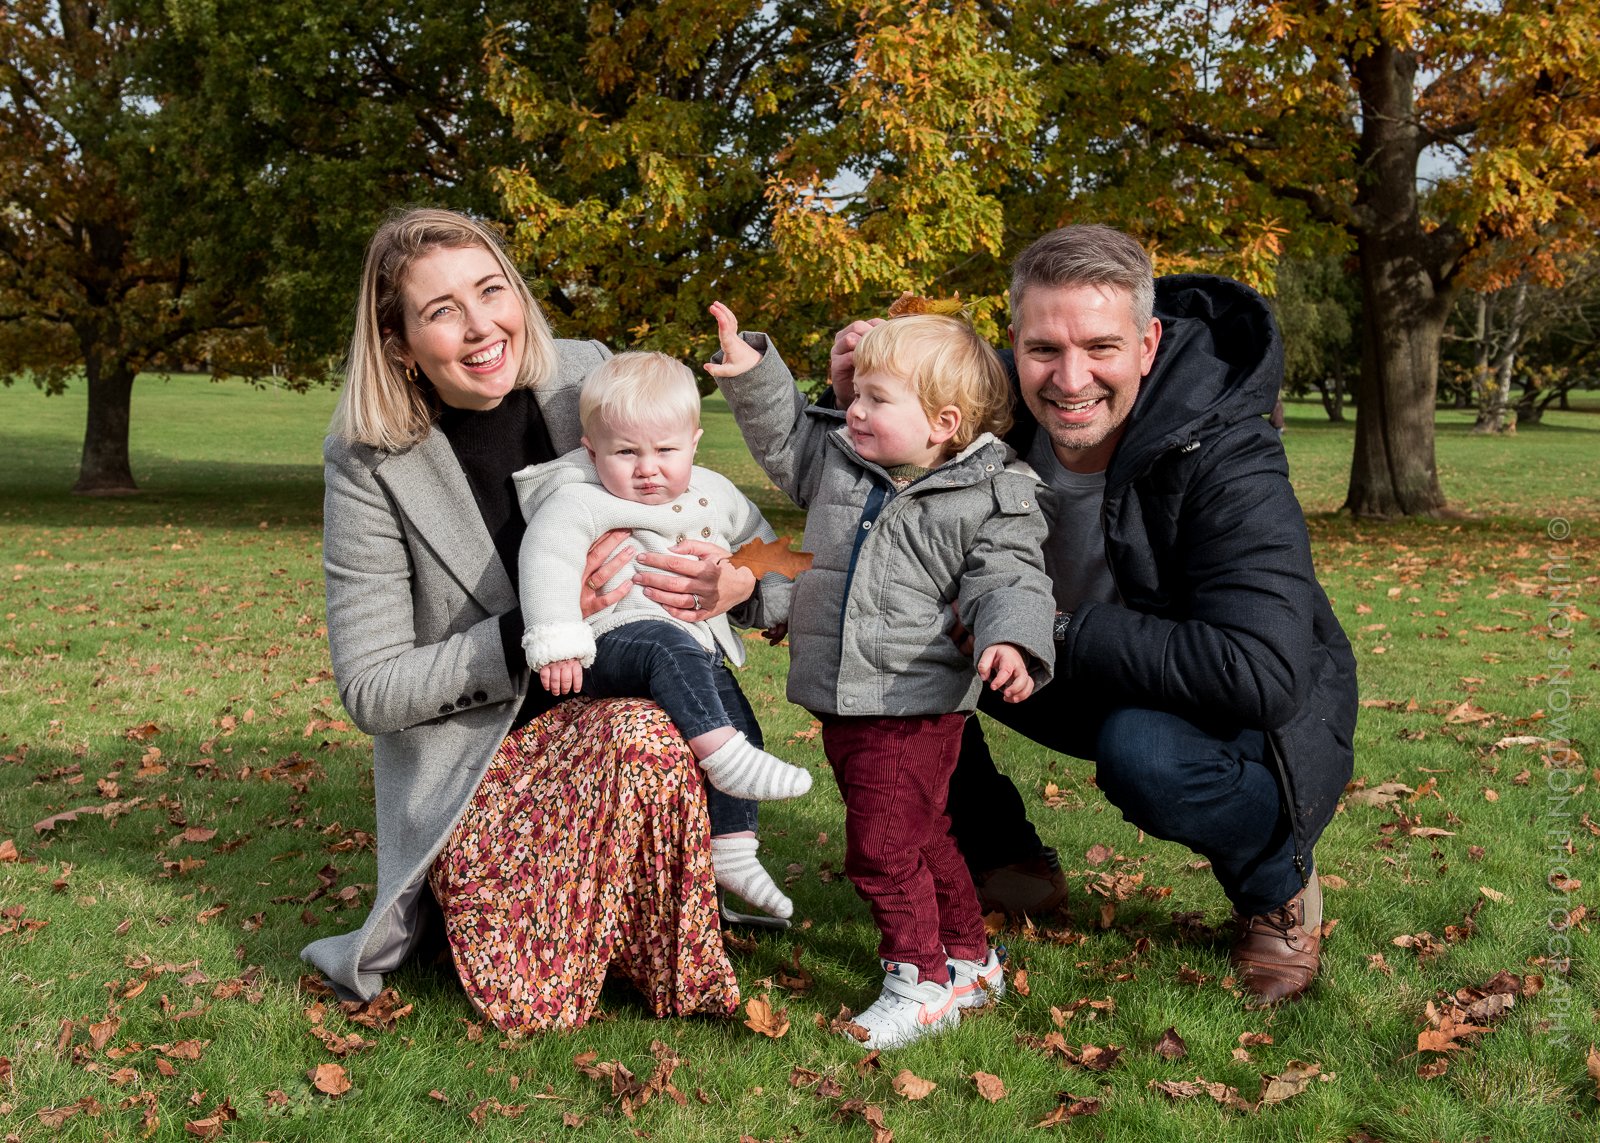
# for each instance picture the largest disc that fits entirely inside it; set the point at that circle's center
(563, 677)
(1005, 669)
(738, 356)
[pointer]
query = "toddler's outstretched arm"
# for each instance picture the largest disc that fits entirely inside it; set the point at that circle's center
(1005, 668)
(737, 355)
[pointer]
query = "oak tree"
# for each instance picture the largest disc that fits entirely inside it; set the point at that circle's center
(1423, 135)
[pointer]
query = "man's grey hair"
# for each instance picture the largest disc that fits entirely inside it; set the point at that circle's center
(1087, 255)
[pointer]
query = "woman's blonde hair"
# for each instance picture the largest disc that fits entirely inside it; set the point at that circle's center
(380, 406)
(947, 363)
(639, 390)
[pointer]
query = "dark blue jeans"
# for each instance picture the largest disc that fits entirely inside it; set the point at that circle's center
(662, 661)
(1212, 789)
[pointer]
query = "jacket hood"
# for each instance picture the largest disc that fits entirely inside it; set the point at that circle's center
(1220, 362)
(536, 482)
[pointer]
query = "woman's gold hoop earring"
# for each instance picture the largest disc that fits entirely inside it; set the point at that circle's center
(412, 373)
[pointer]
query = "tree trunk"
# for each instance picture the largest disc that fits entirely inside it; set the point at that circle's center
(1405, 299)
(1480, 361)
(1332, 389)
(1392, 472)
(1494, 401)
(104, 470)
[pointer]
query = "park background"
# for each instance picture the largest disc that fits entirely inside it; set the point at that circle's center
(187, 185)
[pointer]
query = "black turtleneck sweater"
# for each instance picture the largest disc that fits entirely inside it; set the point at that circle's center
(491, 446)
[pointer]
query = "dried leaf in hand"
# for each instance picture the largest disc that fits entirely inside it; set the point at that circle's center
(762, 557)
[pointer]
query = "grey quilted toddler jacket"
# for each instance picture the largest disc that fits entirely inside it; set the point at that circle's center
(870, 622)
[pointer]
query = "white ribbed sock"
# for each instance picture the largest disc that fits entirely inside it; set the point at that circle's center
(733, 859)
(742, 769)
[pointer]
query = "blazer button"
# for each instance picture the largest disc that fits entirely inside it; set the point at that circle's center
(704, 503)
(480, 696)
(447, 709)
(677, 507)
(705, 531)
(680, 538)
(463, 702)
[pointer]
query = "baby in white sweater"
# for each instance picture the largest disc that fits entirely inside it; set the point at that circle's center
(641, 423)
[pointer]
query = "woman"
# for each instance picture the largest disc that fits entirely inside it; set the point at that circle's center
(558, 839)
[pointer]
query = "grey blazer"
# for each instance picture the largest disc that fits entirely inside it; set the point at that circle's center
(415, 589)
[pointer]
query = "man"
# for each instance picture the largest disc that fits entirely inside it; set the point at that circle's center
(1199, 664)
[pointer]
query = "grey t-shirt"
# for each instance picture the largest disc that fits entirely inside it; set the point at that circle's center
(1075, 550)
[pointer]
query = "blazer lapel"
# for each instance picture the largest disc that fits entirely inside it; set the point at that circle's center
(427, 482)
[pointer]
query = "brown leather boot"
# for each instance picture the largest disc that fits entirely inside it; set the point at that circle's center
(1033, 887)
(1276, 954)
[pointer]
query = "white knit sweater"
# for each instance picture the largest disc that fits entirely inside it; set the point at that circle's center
(567, 509)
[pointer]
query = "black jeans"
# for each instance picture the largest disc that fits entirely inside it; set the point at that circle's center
(662, 661)
(1212, 789)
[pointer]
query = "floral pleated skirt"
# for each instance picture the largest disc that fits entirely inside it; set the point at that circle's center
(585, 847)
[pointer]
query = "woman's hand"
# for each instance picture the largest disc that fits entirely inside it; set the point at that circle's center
(608, 555)
(696, 582)
(738, 355)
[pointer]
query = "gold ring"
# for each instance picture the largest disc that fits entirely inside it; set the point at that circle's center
(592, 585)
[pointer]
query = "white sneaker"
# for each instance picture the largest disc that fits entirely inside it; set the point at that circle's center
(976, 982)
(907, 1009)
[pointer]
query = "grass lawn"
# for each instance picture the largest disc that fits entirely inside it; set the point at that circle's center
(165, 662)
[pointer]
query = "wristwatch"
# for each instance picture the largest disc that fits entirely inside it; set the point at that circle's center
(1058, 629)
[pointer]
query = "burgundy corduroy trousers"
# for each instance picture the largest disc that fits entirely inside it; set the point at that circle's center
(894, 774)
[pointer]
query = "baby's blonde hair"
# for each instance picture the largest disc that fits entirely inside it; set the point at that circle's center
(639, 389)
(949, 364)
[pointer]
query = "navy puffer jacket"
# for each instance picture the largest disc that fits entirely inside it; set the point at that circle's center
(1222, 620)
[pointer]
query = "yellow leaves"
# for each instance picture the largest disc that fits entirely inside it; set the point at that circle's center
(909, 303)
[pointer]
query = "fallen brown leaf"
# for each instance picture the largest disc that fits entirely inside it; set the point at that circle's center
(1068, 1106)
(1294, 1079)
(1383, 795)
(913, 1086)
(1228, 1097)
(759, 1017)
(990, 1087)
(871, 1113)
(1171, 1045)
(330, 1079)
